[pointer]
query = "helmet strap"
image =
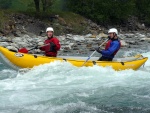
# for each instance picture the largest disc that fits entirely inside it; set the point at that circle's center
(114, 35)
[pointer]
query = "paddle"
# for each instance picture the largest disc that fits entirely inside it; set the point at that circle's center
(24, 50)
(93, 53)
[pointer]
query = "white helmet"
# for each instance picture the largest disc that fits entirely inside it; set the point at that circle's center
(50, 29)
(113, 30)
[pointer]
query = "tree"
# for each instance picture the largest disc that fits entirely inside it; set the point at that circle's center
(37, 5)
(45, 4)
(143, 10)
(103, 11)
(5, 4)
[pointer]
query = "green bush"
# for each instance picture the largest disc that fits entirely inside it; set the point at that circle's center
(3, 18)
(100, 11)
(103, 11)
(5, 4)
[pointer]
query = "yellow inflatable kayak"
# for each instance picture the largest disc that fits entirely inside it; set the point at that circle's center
(21, 60)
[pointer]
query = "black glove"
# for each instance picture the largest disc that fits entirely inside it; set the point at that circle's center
(52, 44)
(98, 49)
(52, 47)
(108, 37)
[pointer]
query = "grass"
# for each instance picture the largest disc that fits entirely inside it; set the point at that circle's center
(21, 5)
(72, 20)
(3, 18)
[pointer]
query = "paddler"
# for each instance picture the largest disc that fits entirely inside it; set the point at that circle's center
(112, 47)
(52, 44)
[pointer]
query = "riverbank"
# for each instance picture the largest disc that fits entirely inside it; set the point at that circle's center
(77, 35)
(18, 24)
(77, 45)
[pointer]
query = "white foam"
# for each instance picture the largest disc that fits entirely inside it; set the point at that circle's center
(60, 86)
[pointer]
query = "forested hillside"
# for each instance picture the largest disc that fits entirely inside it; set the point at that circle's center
(100, 11)
(111, 11)
(128, 14)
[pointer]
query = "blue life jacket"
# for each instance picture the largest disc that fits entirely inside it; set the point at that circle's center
(112, 47)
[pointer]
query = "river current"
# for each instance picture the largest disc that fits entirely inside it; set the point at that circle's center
(59, 87)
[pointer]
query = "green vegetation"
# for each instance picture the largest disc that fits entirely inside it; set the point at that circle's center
(111, 11)
(3, 18)
(101, 11)
(73, 20)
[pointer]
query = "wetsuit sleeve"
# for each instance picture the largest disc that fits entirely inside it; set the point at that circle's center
(114, 47)
(57, 44)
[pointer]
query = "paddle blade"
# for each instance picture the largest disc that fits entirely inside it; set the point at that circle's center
(23, 50)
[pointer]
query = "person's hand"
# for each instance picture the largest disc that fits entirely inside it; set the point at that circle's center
(52, 44)
(98, 49)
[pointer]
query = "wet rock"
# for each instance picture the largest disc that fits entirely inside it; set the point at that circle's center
(78, 38)
(91, 49)
(83, 45)
(69, 37)
(40, 43)
(4, 44)
(134, 46)
(88, 35)
(141, 26)
(37, 51)
(12, 48)
(93, 36)
(71, 45)
(61, 38)
(18, 33)
(123, 43)
(14, 45)
(102, 35)
(22, 44)
(145, 39)
(67, 48)
(148, 34)
(129, 35)
(89, 42)
(131, 42)
(78, 44)
(140, 35)
(75, 48)
(66, 51)
(5, 39)
(26, 37)
(17, 39)
(121, 36)
(89, 45)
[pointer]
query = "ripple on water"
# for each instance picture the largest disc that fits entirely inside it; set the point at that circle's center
(62, 88)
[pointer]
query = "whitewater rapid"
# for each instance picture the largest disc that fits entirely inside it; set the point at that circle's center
(60, 87)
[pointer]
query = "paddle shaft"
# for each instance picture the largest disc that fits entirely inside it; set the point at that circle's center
(24, 50)
(31, 48)
(93, 53)
(39, 46)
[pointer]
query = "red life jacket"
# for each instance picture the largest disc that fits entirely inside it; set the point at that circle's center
(108, 45)
(47, 48)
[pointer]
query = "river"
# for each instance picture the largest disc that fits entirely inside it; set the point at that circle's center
(59, 87)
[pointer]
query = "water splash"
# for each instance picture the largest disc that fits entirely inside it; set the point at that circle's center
(59, 87)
